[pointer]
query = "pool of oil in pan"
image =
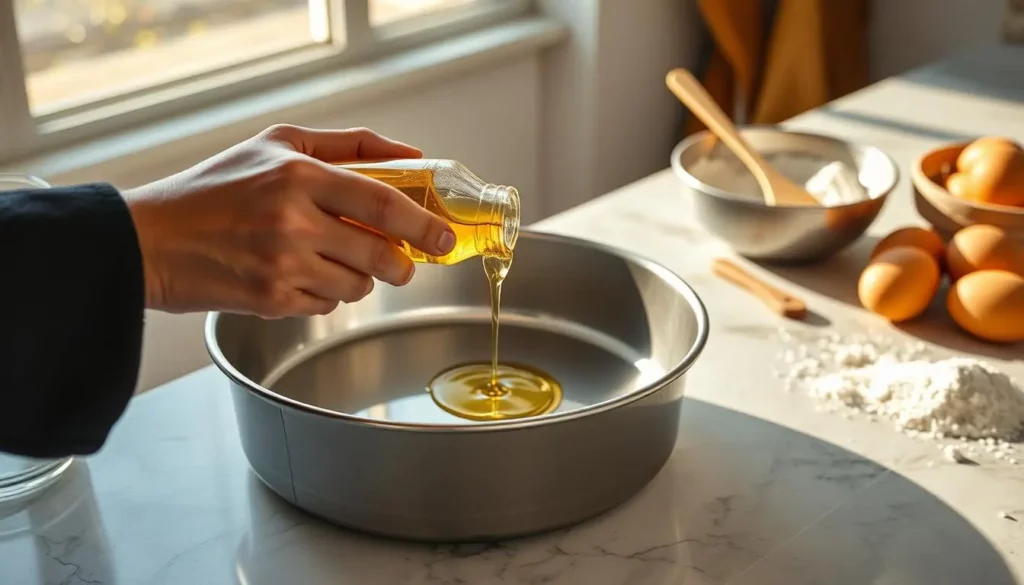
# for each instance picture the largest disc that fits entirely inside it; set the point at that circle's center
(383, 376)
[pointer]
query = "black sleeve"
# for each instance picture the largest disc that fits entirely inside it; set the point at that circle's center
(72, 298)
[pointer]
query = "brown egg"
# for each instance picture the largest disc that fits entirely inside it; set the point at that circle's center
(989, 304)
(899, 283)
(978, 149)
(993, 173)
(959, 186)
(983, 247)
(917, 237)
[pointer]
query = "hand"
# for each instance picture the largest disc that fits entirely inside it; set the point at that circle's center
(256, 228)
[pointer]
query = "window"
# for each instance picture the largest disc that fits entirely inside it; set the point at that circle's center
(77, 52)
(71, 69)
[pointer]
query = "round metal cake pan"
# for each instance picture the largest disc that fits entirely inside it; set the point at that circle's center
(334, 415)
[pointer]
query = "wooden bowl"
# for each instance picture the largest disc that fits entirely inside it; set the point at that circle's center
(948, 214)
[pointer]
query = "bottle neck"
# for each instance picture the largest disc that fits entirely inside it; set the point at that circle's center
(503, 205)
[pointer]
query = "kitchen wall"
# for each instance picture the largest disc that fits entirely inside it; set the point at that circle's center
(607, 117)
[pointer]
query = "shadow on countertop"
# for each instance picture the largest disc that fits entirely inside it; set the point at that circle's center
(742, 501)
(900, 126)
(837, 278)
(986, 70)
(937, 327)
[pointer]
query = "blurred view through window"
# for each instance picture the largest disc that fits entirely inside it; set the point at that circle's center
(77, 51)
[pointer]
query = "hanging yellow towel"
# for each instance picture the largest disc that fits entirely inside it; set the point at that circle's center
(816, 52)
(733, 67)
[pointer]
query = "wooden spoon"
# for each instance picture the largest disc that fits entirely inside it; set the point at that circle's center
(775, 187)
(782, 303)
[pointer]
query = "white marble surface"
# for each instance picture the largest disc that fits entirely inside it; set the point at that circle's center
(761, 489)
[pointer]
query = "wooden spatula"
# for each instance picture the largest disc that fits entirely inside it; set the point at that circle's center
(776, 188)
(782, 303)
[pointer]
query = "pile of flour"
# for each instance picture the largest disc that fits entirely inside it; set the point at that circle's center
(955, 398)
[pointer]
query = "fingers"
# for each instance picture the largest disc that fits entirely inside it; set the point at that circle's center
(308, 304)
(372, 203)
(315, 287)
(365, 252)
(331, 281)
(310, 259)
(377, 205)
(339, 146)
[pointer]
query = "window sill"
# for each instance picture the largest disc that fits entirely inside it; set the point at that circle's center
(194, 132)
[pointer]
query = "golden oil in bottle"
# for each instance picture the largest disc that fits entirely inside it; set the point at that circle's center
(485, 219)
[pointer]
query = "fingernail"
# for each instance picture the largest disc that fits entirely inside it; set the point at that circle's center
(446, 242)
(408, 277)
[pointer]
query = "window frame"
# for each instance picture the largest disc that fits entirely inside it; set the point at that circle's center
(24, 135)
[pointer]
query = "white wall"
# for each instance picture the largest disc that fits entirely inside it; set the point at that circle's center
(607, 117)
(910, 33)
(639, 120)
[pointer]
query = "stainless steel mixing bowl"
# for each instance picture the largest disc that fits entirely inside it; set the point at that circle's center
(334, 415)
(784, 234)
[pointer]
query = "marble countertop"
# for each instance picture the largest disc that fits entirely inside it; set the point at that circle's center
(761, 490)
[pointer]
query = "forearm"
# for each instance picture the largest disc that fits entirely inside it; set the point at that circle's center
(72, 296)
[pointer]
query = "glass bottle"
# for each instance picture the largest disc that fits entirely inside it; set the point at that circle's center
(484, 217)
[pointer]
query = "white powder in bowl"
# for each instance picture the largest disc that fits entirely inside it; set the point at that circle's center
(831, 182)
(924, 397)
